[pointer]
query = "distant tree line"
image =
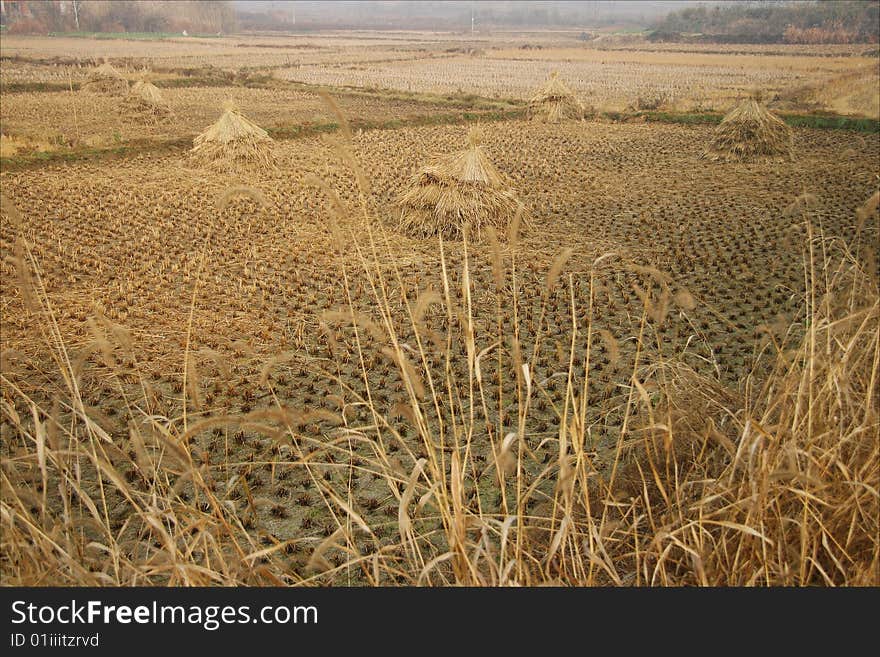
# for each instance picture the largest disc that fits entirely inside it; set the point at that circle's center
(446, 15)
(827, 21)
(193, 16)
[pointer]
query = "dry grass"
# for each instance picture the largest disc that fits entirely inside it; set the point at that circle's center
(555, 102)
(194, 108)
(145, 103)
(611, 75)
(750, 130)
(773, 484)
(611, 80)
(459, 194)
(106, 80)
(777, 485)
(234, 141)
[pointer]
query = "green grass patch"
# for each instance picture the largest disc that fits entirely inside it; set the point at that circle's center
(817, 121)
(165, 83)
(832, 122)
(39, 158)
(24, 87)
(450, 118)
(299, 131)
(463, 101)
(35, 160)
(688, 118)
(187, 82)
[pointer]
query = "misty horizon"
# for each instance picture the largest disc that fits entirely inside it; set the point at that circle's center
(460, 14)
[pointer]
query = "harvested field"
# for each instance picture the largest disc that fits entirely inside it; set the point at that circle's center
(506, 65)
(271, 271)
(263, 353)
(613, 81)
(91, 119)
(611, 199)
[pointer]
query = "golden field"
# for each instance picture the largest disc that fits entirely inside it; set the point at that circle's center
(664, 373)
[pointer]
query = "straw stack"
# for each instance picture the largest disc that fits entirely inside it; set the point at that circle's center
(145, 103)
(458, 194)
(750, 131)
(233, 141)
(106, 80)
(555, 102)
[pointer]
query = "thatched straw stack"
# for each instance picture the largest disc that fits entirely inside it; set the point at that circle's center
(457, 194)
(233, 141)
(748, 131)
(555, 102)
(106, 80)
(144, 102)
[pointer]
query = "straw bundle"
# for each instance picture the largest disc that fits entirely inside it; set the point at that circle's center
(457, 194)
(145, 102)
(233, 141)
(555, 102)
(144, 77)
(750, 130)
(106, 80)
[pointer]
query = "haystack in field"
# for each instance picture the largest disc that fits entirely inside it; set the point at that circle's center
(750, 130)
(106, 80)
(144, 102)
(555, 102)
(457, 194)
(233, 141)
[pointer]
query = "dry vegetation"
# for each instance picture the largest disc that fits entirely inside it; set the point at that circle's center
(666, 375)
(145, 103)
(749, 131)
(555, 102)
(105, 79)
(505, 65)
(233, 142)
(460, 194)
(74, 118)
(610, 80)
